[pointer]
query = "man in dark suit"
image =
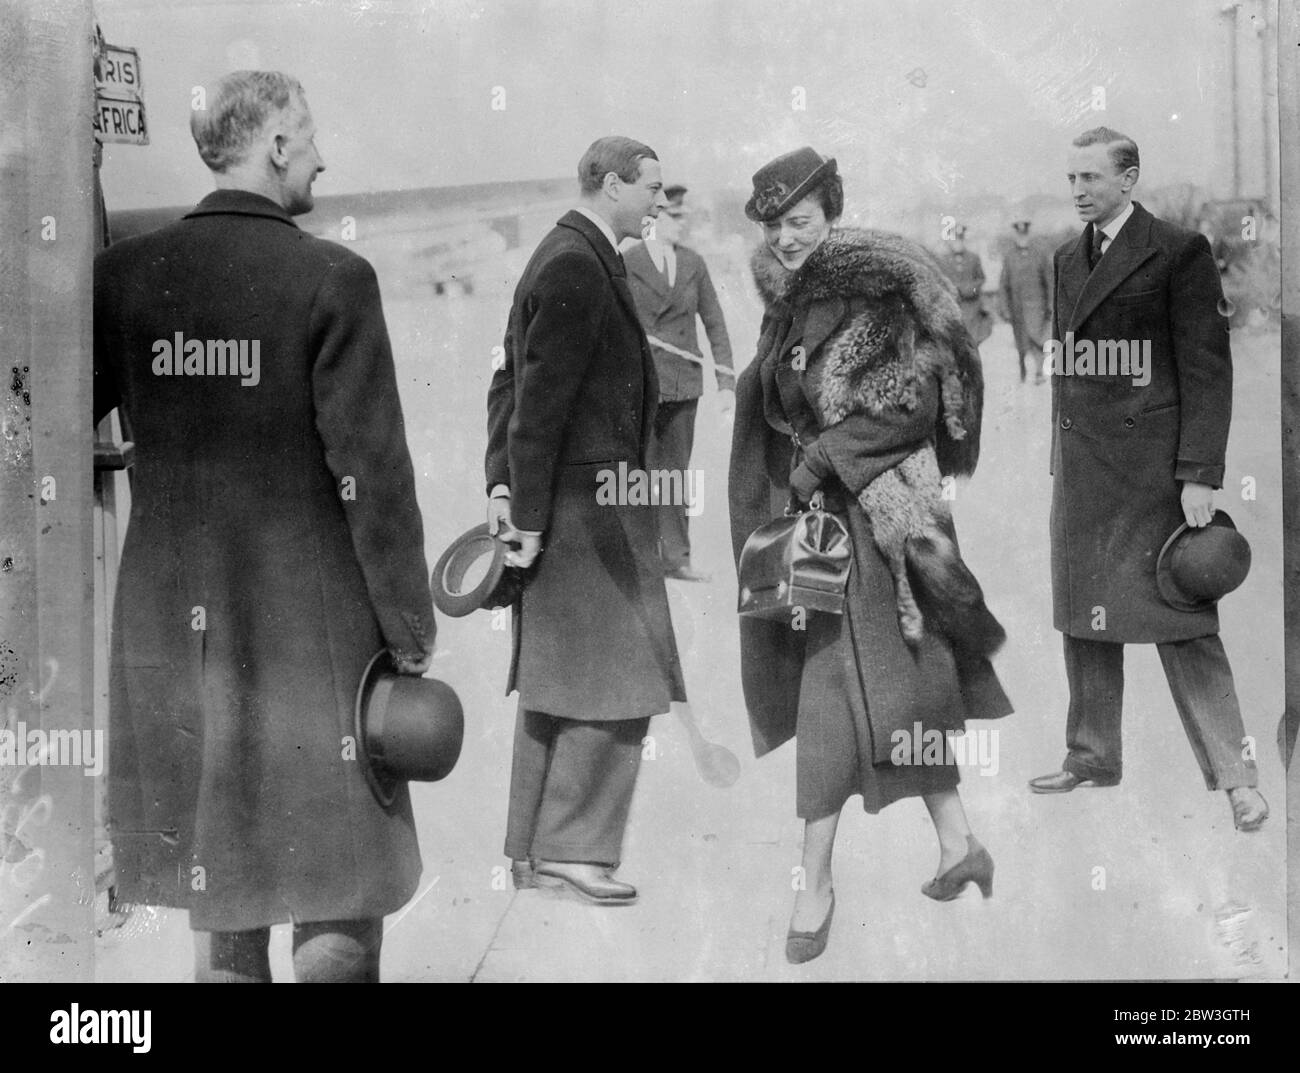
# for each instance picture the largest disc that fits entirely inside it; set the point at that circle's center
(275, 546)
(671, 286)
(1137, 448)
(570, 415)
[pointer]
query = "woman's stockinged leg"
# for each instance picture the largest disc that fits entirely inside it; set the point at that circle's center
(951, 825)
(812, 899)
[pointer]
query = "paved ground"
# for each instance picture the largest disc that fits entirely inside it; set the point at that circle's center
(1147, 880)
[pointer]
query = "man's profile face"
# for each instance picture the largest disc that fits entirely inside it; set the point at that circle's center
(304, 160)
(1099, 189)
(639, 199)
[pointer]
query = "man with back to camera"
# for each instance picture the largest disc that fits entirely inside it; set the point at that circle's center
(275, 546)
(594, 653)
(1132, 458)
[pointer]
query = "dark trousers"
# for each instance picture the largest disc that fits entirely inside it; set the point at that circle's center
(670, 448)
(1200, 680)
(571, 786)
(324, 952)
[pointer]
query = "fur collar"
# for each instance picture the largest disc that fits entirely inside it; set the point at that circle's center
(854, 262)
(911, 326)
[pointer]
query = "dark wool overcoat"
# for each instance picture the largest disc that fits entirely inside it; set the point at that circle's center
(858, 291)
(569, 413)
(274, 546)
(1121, 449)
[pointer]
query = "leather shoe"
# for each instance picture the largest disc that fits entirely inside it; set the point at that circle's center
(1249, 809)
(590, 883)
(686, 572)
(521, 872)
(1062, 782)
(801, 946)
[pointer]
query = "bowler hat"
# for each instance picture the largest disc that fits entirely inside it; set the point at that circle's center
(407, 728)
(1198, 566)
(786, 181)
(499, 587)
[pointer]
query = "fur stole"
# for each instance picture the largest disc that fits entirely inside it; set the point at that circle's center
(911, 328)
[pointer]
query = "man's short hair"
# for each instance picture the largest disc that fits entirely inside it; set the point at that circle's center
(620, 155)
(1123, 149)
(238, 107)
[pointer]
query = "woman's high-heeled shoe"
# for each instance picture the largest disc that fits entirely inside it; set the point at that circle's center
(801, 946)
(976, 867)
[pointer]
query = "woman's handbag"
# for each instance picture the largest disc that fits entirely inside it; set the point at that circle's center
(799, 560)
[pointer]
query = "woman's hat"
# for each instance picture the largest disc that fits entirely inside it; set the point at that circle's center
(1198, 566)
(407, 728)
(500, 586)
(786, 181)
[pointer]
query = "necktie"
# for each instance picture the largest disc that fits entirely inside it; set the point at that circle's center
(1094, 251)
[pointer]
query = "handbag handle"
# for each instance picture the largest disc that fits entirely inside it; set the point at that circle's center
(796, 506)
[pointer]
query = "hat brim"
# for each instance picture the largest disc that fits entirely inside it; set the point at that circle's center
(826, 168)
(454, 564)
(382, 785)
(1168, 588)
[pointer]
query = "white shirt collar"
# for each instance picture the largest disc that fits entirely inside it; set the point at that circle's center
(1112, 228)
(664, 257)
(605, 229)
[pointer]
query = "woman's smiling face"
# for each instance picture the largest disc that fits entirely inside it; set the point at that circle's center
(797, 232)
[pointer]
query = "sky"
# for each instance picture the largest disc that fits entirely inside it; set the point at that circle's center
(917, 99)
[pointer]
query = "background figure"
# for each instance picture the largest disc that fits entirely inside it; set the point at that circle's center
(671, 286)
(1133, 456)
(1025, 296)
(274, 546)
(964, 267)
(594, 652)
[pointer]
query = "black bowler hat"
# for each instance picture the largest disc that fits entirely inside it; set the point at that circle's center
(499, 587)
(786, 181)
(1198, 566)
(407, 728)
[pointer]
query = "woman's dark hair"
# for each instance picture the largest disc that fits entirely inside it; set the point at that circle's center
(830, 195)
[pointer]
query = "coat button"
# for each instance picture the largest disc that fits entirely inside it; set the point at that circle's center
(1129, 422)
(1066, 422)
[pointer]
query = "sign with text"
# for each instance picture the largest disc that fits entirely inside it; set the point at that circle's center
(119, 96)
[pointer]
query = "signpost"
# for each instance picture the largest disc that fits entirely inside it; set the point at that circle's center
(119, 96)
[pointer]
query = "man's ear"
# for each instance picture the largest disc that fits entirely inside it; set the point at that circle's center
(279, 154)
(1132, 175)
(610, 184)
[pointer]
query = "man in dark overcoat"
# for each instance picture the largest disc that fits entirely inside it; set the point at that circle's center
(1025, 298)
(1136, 451)
(671, 286)
(570, 415)
(274, 547)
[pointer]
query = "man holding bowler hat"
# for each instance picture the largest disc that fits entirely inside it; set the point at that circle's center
(594, 654)
(1138, 448)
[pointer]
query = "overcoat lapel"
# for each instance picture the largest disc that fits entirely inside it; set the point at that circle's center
(1129, 252)
(613, 263)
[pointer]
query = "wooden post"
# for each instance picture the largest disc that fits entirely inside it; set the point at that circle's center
(1288, 71)
(46, 879)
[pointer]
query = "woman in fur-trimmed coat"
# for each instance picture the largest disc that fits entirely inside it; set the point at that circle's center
(867, 388)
